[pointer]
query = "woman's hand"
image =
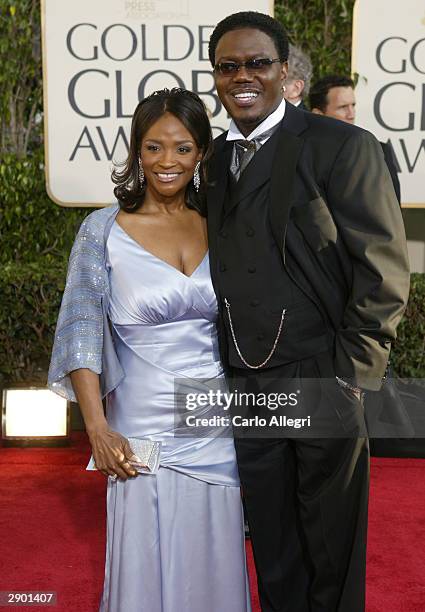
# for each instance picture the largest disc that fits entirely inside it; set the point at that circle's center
(111, 450)
(112, 453)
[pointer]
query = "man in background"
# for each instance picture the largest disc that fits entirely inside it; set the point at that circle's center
(334, 96)
(300, 71)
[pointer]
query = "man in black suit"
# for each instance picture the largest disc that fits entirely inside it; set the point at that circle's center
(297, 83)
(309, 263)
(334, 96)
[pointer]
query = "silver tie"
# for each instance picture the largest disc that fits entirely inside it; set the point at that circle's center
(244, 151)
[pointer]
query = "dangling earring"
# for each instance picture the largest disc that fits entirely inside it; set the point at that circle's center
(197, 177)
(141, 173)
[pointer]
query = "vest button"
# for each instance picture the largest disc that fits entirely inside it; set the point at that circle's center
(223, 267)
(255, 302)
(252, 269)
(223, 234)
(250, 232)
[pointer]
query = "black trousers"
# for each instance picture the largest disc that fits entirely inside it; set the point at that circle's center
(306, 501)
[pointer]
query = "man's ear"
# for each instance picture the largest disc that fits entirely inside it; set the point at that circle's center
(317, 111)
(300, 86)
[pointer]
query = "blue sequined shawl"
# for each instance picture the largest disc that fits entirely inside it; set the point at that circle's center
(83, 337)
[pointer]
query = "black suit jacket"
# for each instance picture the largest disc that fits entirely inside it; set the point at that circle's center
(391, 163)
(302, 106)
(338, 225)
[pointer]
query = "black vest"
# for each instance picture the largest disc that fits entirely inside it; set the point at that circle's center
(255, 281)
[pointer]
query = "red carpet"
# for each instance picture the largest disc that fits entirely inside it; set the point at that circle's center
(52, 526)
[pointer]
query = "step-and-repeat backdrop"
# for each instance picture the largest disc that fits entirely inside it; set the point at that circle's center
(389, 58)
(100, 57)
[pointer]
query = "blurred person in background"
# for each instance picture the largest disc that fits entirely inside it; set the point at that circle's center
(300, 72)
(334, 96)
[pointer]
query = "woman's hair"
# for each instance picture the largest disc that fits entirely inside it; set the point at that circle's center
(188, 108)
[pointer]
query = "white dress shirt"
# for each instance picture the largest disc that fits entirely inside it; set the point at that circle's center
(273, 119)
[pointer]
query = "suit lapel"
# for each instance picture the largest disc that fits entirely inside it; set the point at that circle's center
(287, 149)
(218, 181)
(284, 166)
(255, 174)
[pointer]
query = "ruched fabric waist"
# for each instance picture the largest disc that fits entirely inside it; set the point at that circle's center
(144, 403)
(178, 346)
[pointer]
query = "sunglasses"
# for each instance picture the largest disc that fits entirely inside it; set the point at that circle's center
(252, 66)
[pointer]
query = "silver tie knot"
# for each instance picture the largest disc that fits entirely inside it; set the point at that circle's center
(244, 152)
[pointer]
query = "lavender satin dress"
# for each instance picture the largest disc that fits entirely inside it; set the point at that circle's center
(175, 540)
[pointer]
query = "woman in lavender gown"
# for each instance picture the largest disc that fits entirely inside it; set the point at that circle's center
(138, 313)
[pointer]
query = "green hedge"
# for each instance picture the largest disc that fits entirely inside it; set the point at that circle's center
(30, 299)
(323, 29)
(32, 228)
(408, 355)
